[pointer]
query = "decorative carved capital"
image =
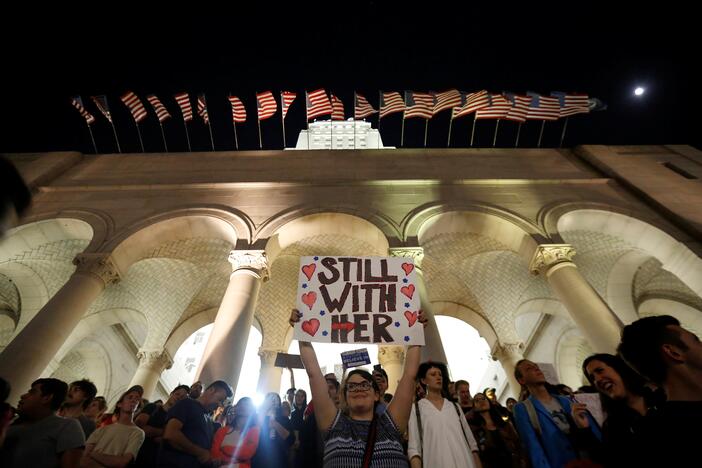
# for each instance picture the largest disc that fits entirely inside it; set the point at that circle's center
(268, 356)
(154, 358)
(415, 253)
(254, 260)
(508, 351)
(548, 255)
(99, 265)
(391, 354)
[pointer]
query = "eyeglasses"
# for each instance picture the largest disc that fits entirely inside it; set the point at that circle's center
(358, 386)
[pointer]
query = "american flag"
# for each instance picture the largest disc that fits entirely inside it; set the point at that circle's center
(497, 109)
(337, 108)
(266, 105)
(419, 105)
(287, 99)
(572, 104)
(543, 108)
(390, 103)
(101, 103)
(183, 100)
(78, 104)
(202, 108)
(238, 110)
(520, 107)
(446, 100)
(135, 106)
(318, 104)
(159, 108)
(363, 108)
(471, 103)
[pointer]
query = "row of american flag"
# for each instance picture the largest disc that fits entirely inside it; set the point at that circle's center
(318, 103)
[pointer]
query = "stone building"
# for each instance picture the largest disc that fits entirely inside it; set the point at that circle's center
(547, 253)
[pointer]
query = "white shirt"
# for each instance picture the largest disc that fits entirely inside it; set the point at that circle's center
(444, 443)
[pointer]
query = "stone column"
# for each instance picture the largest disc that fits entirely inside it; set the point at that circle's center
(509, 354)
(392, 358)
(225, 349)
(433, 349)
(270, 376)
(32, 350)
(151, 364)
(590, 312)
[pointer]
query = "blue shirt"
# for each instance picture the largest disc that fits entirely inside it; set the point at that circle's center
(197, 428)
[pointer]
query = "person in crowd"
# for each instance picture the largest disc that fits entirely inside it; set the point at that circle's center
(111, 418)
(586, 389)
(439, 434)
(660, 349)
(381, 378)
(551, 428)
(7, 413)
(465, 401)
(153, 425)
(491, 394)
(509, 404)
(96, 409)
(357, 431)
(276, 435)
(311, 450)
(285, 409)
(497, 439)
(236, 443)
(297, 419)
(290, 397)
(80, 395)
(187, 437)
(564, 390)
(195, 390)
(39, 437)
(627, 400)
(116, 445)
(452, 392)
(387, 398)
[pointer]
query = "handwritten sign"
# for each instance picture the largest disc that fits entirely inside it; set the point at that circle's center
(594, 405)
(355, 358)
(288, 361)
(358, 300)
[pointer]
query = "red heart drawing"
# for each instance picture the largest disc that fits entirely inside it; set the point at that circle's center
(411, 317)
(309, 299)
(408, 290)
(310, 326)
(308, 270)
(408, 267)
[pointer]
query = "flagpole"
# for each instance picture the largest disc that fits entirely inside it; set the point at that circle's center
(354, 120)
(114, 130)
(141, 142)
(519, 130)
(472, 133)
(92, 138)
(565, 125)
(209, 125)
(426, 131)
(236, 138)
(380, 104)
(187, 135)
(541, 133)
(402, 134)
(282, 118)
(260, 141)
(494, 138)
(448, 142)
(163, 135)
(307, 119)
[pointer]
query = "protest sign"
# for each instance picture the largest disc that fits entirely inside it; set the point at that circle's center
(355, 358)
(358, 300)
(288, 361)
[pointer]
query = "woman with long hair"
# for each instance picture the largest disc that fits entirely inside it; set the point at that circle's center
(627, 399)
(276, 435)
(497, 439)
(439, 434)
(355, 435)
(236, 442)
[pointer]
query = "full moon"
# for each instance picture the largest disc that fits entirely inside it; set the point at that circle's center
(639, 91)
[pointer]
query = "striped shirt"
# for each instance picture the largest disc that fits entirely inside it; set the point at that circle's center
(345, 443)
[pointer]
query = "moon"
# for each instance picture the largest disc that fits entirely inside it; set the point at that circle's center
(639, 91)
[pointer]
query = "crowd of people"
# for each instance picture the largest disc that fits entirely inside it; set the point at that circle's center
(650, 393)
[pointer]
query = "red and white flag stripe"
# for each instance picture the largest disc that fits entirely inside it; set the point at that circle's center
(159, 108)
(390, 103)
(419, 105)
(337, 108)
(77, 102)
(135, 106)
(520, 108)
(183, 100)
(202, 109)
(238, 110)
(266, 105)
(497, 109)
(318, 104)
(474, 101)
(446, 100)
(543, 108)
(287, 99)
(363, 108)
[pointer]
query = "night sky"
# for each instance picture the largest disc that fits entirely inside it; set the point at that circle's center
(347, 46)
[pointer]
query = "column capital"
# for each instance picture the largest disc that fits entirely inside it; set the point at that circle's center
(154, 358)
(508, 351)
(548, 255)
(415, 253)
(252, 260)
(99, 265)
(390, 354)
(268, 355)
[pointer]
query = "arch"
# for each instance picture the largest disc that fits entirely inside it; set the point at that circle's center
(689, 317)
(326, 223)
(469, 316)
(515, 234)
(542, 306)
(100, 224)
(620, 284)
(135, 242)
(571, 350)
(674, 256)
(31, 236)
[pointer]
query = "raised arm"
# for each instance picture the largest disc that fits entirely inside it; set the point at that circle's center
(324, 408)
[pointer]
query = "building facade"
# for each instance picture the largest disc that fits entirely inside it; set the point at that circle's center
(547, 253)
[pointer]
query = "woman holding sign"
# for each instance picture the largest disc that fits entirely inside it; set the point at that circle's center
(356, 436)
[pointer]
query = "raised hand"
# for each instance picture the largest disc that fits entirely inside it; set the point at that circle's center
(295, 317)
